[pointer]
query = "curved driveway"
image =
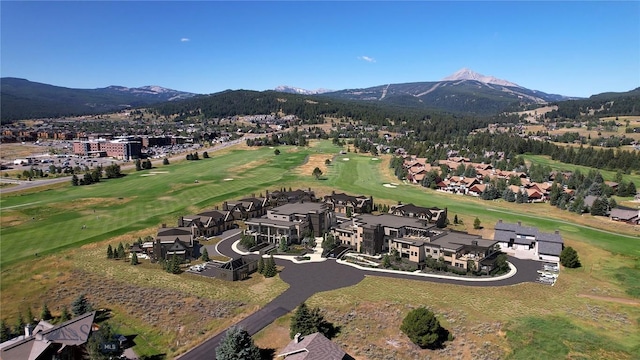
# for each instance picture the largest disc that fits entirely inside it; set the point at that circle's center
(309, 278)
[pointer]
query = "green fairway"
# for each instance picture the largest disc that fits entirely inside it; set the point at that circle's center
(53, 220)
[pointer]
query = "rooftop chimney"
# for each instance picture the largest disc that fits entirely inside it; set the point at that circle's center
(297, 338)
(164, 226)
(519, 223)
(557, 232)
(28, 330)
(499, 221)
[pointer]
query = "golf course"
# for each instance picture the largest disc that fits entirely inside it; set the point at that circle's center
(53, 247)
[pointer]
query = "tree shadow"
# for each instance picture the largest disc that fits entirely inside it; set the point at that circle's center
(153, 357)
(267, 354)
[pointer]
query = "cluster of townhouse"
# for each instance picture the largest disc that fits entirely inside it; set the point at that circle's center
(417, 168)
(414, 232)
(181, 240)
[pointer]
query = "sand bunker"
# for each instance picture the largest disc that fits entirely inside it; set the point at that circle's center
(148, 175)
(345, 159)
(227, 179)
(374, 159)
(158, 172)
(389, 186)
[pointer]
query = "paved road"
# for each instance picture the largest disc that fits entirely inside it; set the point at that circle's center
(308, 279)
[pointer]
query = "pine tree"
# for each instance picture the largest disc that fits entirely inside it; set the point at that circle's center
(65, 314)
(455, 219)
(165, 161)
(237, 344)
(307, 321)
(30, 318)
(476, 223)
(45, 314)
(270, 268)
(109, 252)
(81, 305)
(134, 259)
(173, 266)
(261, 265)
(205, 255)
(19, 327)
(5, 332)
(121, 253)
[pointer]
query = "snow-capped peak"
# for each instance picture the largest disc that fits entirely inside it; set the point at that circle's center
(468, 74)
(295, 90)
(155, 88)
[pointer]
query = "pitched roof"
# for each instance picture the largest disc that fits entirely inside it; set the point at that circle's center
(505, 232)
(70, 333)
(624, 213)
(313, 347)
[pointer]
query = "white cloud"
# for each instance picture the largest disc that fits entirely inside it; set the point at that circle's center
(185, 40)
(367, 59)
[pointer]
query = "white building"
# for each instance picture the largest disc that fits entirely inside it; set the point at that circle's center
(527, 242)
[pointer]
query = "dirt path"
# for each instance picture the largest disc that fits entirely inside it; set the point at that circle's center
(611, 299)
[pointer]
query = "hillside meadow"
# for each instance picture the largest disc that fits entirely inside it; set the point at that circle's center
(567, 320)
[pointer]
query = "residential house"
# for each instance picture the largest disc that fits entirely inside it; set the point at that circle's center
(208, 223)
(432, 215)
(313, 347)
(247, 208)
(46, 341)
(236, 269)
(347, 204)
(527, 242)
(173, 241)
(626, 215)
(291, 222)
(282, 197)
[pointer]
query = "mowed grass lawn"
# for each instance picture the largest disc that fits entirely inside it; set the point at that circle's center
(53, 220)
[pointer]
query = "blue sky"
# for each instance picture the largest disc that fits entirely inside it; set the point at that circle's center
(570, 48)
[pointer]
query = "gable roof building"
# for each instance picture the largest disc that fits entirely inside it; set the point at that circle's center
(47, 341)
(313, 347)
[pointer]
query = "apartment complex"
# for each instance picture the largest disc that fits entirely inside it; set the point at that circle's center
(291, 222)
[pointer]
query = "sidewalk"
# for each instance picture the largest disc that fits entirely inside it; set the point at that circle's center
(316, 256)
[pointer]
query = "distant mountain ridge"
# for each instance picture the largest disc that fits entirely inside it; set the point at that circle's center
(295, 90)
(465, 91)
(24, 99)
(468, 74)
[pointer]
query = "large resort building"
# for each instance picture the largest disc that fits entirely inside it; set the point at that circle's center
(414, 239)
(291, 222)
(125, 149)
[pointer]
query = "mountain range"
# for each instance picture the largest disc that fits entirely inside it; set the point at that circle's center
(24, 99)
(464, 92)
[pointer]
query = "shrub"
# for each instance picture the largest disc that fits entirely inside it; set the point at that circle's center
(423, 328)
(569, 258)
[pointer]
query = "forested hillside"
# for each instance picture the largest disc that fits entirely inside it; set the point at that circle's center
(605, 104)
